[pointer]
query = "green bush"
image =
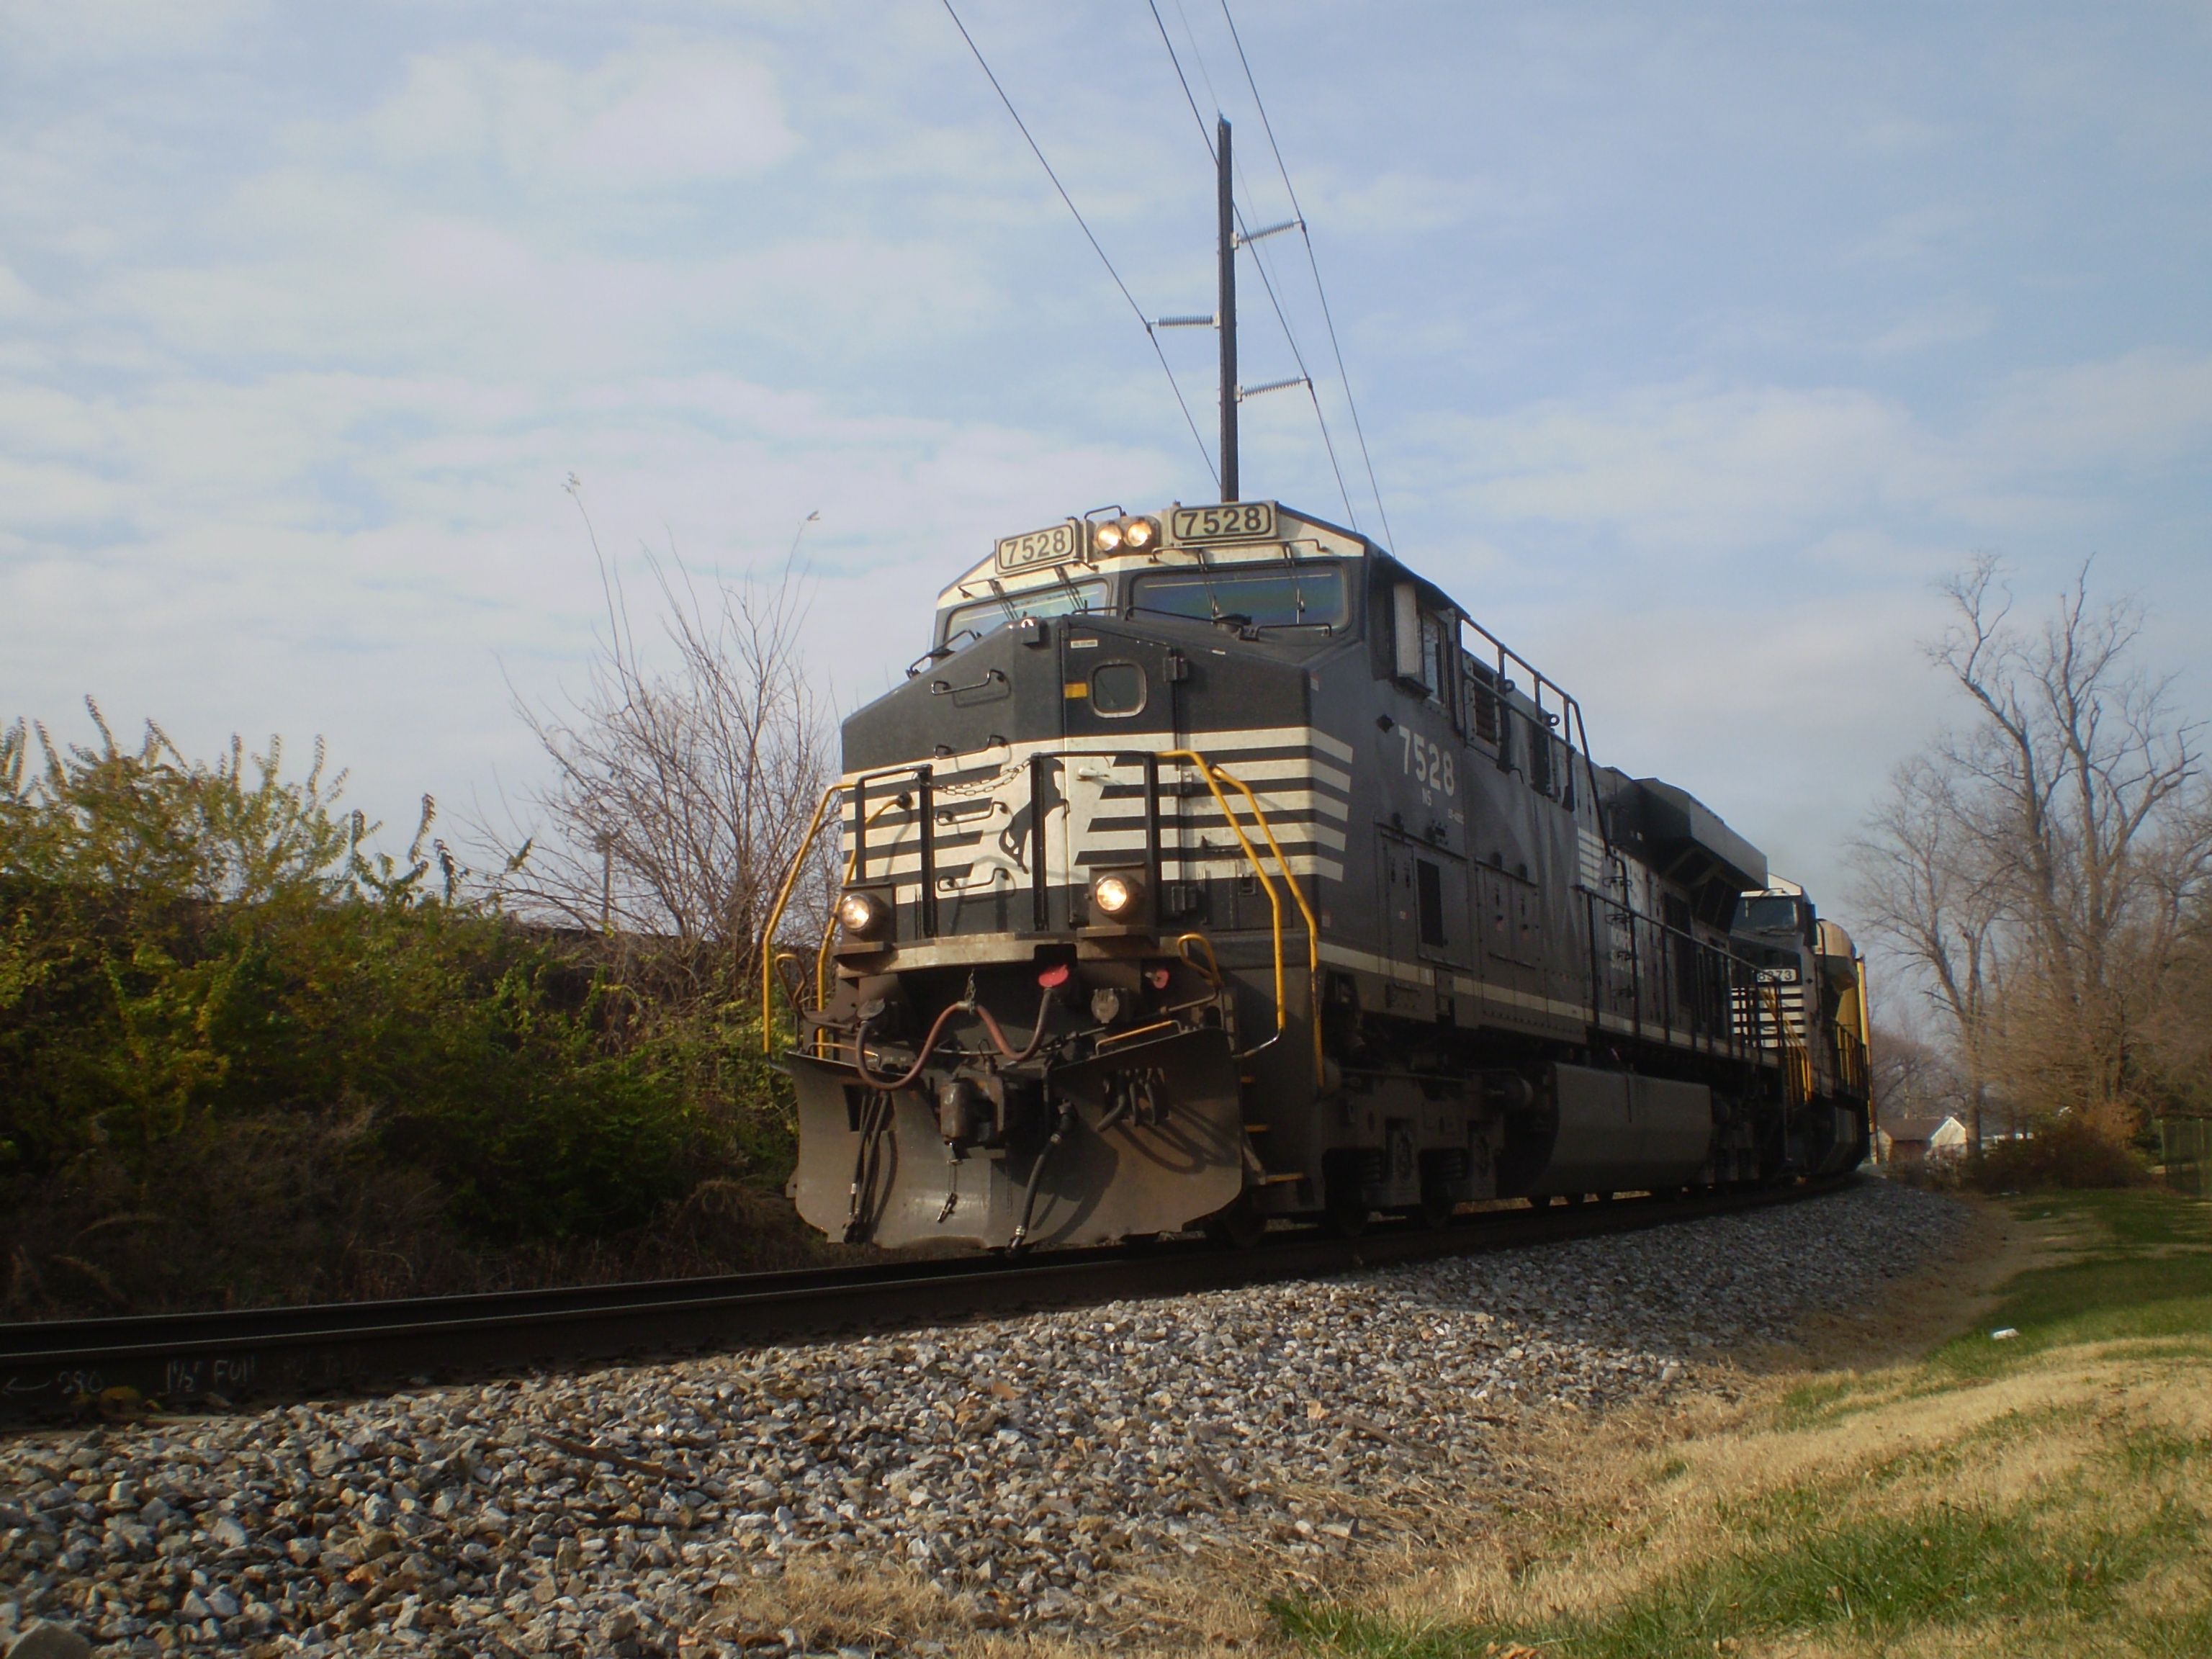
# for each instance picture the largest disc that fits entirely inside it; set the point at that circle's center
(198, 957)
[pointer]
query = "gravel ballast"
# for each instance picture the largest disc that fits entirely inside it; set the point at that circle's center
(1035, 1472)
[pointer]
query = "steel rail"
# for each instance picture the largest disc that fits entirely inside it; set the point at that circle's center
(59, 1368)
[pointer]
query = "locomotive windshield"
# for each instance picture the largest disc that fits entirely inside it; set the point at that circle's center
(1301, 595)
(988, 616)
(1765, 915)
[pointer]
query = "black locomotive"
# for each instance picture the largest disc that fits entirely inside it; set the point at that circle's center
(1214, 866)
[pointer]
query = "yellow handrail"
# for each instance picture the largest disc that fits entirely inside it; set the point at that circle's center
(1214, 776)
(1796, 1059)
(1212, 968)
(775, 914)
(1206, 770)
(1866, 1031)
(1313, 928)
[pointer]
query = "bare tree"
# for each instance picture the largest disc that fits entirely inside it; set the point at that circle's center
(681, 793)
(1928, 887)
(2179, 1026)
(2036, 864)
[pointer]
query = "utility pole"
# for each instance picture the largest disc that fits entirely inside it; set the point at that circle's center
(1227, 314)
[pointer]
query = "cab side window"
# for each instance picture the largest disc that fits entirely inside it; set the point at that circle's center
(1423, 651)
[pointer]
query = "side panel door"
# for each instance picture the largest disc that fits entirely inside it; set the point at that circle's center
(1425, 908)
(1494, 917)
(1440, 911)
(1509, 913)
(1401, 901)
(1528, 925)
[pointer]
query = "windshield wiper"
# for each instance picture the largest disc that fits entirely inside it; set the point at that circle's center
(939, 652)
(1235, 619)
(1173, 615)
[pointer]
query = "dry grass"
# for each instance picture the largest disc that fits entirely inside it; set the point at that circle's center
(1882, 1493)
(1195, 1611)
(1219, 1600)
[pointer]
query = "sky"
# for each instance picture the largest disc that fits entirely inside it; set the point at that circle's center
(1692, 346)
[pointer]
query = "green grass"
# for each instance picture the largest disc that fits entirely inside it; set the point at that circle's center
(1875, 1578)
(2144, 1272)
(2151, 1452)
(1812, 1562)
(2135, 1217)
(1814, 1403)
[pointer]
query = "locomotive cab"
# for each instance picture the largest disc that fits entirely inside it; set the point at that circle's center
(1212, 865)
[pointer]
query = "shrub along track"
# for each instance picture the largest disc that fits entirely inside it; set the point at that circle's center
(57, 1368)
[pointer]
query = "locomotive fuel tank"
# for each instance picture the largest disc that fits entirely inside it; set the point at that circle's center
(1617, 1130)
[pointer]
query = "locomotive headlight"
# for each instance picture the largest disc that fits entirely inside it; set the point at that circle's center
(1141, 535)
(863, 916)
(1116, 894)
(1107, 537)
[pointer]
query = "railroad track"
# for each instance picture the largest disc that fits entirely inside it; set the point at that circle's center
(56, 1369)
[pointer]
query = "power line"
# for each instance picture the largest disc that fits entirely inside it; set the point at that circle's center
(1297, 354)
(1143, 321)
(1259, 262)
(1269, 127)
(1198, 57)
(1204, 136)
(1305, 374)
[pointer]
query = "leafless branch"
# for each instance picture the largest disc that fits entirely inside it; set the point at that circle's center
(685, 774)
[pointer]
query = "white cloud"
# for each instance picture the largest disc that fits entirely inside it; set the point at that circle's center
(378, 556)
(1938, 325)
(105, 31)
(635, 120)
(1690, 468)
(687, 118)
(1709, 471)
(1913, 236)
(2142, 411)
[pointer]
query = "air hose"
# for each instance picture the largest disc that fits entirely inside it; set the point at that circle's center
(936, 1030)
(1036, 1174)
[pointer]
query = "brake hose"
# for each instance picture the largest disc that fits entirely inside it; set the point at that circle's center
(929, 1043)
(1037, 1037)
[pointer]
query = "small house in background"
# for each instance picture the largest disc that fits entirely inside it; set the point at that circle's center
(1916, 1140)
